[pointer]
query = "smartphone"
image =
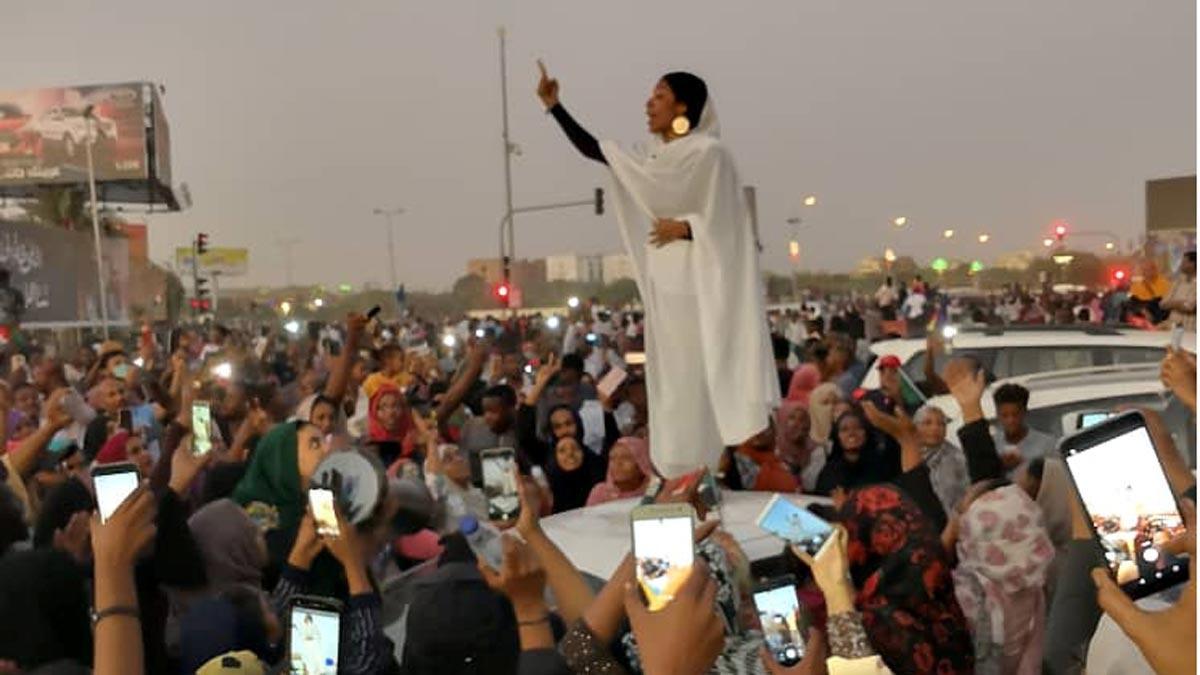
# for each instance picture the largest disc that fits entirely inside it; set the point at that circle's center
(653, 487)
(1091, 418)
(794, 524)
(324, 515)
(635, 358)
(1177, 337)
(125, 419)
(373, 312)
(201, 428)
(314, 634)
(1131, 510)
(114, 483)
(783, 619)
(499, 469)
(608, 385)
(663, 550)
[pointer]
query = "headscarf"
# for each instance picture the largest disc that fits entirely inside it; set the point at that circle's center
(821, 414)
(794, 455)
(572, 488)
(270, 490)
(806, 379)
(1003, 556)
(608, 490)
(229, 542)
(378, 433)
(113, 449)
(905, 592)
(875, 463)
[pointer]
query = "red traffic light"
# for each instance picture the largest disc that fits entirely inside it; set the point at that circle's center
(502, 290)
(1060, 230)
(1119, 276)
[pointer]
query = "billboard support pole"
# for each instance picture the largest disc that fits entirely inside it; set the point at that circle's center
(91, 140)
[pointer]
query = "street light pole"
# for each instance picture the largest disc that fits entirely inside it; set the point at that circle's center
(506, 257)
(286, 245)
(795, 222)
(91, 167)
(387, 214)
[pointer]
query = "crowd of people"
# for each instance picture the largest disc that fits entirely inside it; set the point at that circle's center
(950, 557)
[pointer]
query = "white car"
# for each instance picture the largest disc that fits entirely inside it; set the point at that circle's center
(1015, 351)
(1063, 402)
(68, 128)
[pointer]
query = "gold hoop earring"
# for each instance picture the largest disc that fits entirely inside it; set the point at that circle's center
(681, 125)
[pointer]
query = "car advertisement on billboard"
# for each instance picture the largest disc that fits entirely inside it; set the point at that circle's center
(44, 134)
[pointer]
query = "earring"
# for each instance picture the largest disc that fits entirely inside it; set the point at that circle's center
(681, 125)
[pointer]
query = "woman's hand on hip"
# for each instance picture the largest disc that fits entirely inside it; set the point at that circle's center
(667, 230)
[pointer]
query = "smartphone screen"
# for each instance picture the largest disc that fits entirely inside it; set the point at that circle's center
(794, 524)
(126, 419)
(112, 488)
(321, 500)
(609, 384)
(663, 555)
(783, 622)
(313, 640)
(1129, 503)
(499, 469)
(201, 428)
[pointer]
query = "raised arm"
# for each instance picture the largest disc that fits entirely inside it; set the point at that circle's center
(584, 142)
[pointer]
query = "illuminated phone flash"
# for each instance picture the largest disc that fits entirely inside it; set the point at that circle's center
(223, 370)
(949, 332)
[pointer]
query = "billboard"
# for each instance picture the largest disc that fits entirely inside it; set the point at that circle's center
(55, 269)
(44, 134)
(228, 262)
(1171, 204)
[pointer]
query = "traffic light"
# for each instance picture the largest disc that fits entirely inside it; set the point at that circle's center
(201, 243)
(502, 291)
(794, 250)
(1119, 276)
(200, 304)
(1060, 231)
(201, 288)
(599, 201)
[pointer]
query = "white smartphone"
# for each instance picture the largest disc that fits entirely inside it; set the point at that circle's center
(795, 524)
(609, 384)
(1131, 509)
(635, 358)
(314, 636)
(499, 467)
(201, 428)
(663, 550)
(324, 515)
(114, 483)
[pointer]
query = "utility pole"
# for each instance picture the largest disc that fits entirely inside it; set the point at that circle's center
(91, 167)
(506, 256)
(286, 245)
(387, 214)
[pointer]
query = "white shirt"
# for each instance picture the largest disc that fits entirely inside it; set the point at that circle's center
(914, 306)
(885, 296)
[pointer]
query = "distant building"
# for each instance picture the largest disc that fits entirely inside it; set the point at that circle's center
(492, 270)
(579, 268)
(616, 266)
(1018, 261)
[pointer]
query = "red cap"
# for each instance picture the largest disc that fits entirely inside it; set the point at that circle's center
(889, 361)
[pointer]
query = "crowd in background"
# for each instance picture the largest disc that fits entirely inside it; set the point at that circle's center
(955, 555)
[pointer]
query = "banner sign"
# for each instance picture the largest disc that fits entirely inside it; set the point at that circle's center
(228, 262)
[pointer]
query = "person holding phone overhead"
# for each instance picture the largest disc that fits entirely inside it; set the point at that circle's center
(695, 256)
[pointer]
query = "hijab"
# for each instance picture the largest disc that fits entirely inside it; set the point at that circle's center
(377, 432)
(1003, 556)
(874, 464)
(229, 543)
(794, 455)
(806, 379)
(270, 490)
(690, 91)
(572, 488)
(609, 490)
(905, 592)
(821, 414)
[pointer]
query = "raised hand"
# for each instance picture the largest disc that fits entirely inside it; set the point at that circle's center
(667, 230)
(547, 89)
(1178, 373)
(185, 466)
(686, 636)
(118, 542)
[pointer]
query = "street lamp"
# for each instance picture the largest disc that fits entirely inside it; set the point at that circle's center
(90, 119)
(573, 302)
(889, 256)
(387, 214)
(810, 200)
(1047, 242)
(946, 234)
(1110, 246)
(901, 221)
(984, 238)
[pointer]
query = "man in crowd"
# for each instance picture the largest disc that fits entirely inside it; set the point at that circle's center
(886, 299)
(1150, 289)
(1180, 301)
(1015, 440)
(12, 306)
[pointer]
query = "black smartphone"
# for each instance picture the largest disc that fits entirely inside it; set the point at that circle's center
(783, 618)
(373, 312)
(314, 635)
(125, 420)
(114, 483)
(1128, 502)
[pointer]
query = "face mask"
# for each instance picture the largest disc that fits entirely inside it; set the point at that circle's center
(120, 371)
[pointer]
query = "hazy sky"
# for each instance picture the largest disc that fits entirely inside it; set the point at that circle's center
(296, 119)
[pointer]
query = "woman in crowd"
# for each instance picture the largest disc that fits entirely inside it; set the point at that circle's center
(804, 381)
(448, 477)
(126, 447)
(1003, 557)
(572, 473)
(946, 462)
(391, 427)
(629, 472)
(856, 457)
(756, 465)
(793, 444)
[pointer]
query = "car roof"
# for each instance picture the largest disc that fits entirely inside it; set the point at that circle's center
(1047, 390)
(596, 538)
(971, 338)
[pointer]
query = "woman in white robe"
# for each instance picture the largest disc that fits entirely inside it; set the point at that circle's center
(711, 378)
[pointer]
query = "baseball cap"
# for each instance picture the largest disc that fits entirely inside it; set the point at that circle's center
(233, 663)
(889, 361)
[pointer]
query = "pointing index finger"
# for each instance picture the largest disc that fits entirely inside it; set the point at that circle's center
(542, 67)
